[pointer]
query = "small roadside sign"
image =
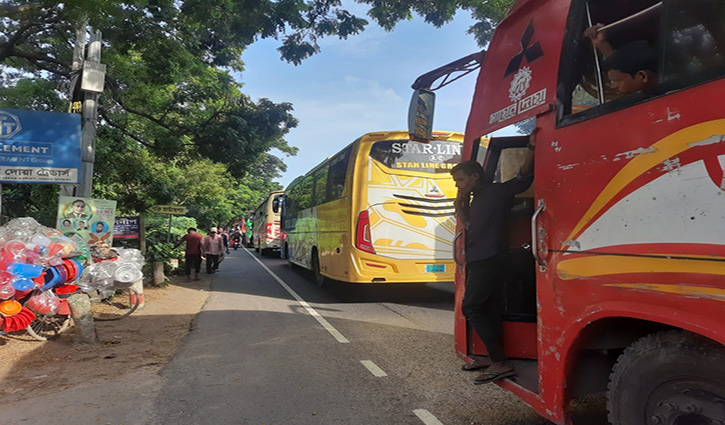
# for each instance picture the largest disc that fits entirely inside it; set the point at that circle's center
(127, 228)
(169, 209)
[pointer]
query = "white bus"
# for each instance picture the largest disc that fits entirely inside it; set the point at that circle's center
(266, 236)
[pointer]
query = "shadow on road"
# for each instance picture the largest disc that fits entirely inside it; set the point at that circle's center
(240, 267)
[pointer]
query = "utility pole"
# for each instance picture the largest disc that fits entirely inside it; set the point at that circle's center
(88, 77)
(86, 85)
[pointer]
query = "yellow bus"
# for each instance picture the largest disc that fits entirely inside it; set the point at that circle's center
(266, 236)
(380, 210)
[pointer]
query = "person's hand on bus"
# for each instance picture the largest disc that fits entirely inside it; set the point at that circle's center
(599, 39)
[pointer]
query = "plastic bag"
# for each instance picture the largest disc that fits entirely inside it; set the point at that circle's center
(43, 303)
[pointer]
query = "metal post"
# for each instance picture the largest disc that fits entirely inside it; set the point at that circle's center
(600, 83)
(142, 235)
(168, 235)
(75, 81)
(90, 121)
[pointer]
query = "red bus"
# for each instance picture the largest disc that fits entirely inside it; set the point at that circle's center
(614, 279)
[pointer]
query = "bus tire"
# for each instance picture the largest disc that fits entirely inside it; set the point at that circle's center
(669, 377)
(320, 280)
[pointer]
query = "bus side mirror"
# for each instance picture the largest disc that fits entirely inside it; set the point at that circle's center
(420, 115)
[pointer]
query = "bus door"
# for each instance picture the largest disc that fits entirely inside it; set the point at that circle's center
(503, 161)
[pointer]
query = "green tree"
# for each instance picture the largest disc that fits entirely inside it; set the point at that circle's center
(174, 125)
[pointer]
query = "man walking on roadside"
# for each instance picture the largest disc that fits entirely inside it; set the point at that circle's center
(212, 247)
(225, 238)
(192, 252)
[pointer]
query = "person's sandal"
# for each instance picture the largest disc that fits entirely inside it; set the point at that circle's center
(486, 377)
(470, 367)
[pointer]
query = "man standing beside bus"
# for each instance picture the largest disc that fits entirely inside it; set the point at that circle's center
(481, 207)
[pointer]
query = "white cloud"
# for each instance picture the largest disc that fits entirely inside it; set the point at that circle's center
(365, 44)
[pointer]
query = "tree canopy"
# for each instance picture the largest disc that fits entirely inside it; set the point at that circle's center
(174, 126)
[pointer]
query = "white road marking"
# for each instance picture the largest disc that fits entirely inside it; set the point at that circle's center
(427, 417)
(325, 324)
(373, 368)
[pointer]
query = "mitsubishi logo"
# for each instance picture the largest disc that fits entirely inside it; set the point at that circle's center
(530, 52)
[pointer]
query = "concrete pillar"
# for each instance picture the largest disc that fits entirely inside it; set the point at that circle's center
(80, 311)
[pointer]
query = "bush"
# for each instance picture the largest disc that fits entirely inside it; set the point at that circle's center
(157, 247)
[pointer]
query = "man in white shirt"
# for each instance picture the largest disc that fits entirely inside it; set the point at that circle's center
(212, 247)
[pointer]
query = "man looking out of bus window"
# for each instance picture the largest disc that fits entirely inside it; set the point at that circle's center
(631, 68)
(482, 207)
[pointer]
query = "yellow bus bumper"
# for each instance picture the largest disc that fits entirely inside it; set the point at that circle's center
(377, 269)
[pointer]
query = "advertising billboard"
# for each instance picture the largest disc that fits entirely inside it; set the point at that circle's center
(39, 147)
(93, 219)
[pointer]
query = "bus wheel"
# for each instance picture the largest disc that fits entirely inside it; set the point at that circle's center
(671, 377)
(320, 280)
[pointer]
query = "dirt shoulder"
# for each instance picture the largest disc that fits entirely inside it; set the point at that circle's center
(143, 342)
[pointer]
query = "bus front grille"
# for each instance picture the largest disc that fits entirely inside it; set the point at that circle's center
(440, 208)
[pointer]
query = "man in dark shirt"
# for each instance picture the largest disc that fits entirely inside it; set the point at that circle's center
(193, 252)
(484, 220)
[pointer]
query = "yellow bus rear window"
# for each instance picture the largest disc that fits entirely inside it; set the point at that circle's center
(438, 156)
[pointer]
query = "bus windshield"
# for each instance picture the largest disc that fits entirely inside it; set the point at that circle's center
(438, 156)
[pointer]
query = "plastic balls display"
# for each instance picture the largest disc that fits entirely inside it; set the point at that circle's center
(40, 267)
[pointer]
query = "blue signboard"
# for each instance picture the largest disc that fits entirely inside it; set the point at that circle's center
(39, 147)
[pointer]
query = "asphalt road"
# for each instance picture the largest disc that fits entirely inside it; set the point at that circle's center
(271, 348)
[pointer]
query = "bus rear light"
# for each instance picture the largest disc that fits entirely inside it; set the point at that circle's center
(363, 241)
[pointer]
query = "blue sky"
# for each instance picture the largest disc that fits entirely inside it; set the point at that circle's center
(360, 85)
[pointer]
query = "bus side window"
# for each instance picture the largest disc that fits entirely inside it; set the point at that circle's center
(694, 47)
(320, 193)
(584, 80)
(688, 36)
(291, 202)
(337, 173)
(305, 194)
